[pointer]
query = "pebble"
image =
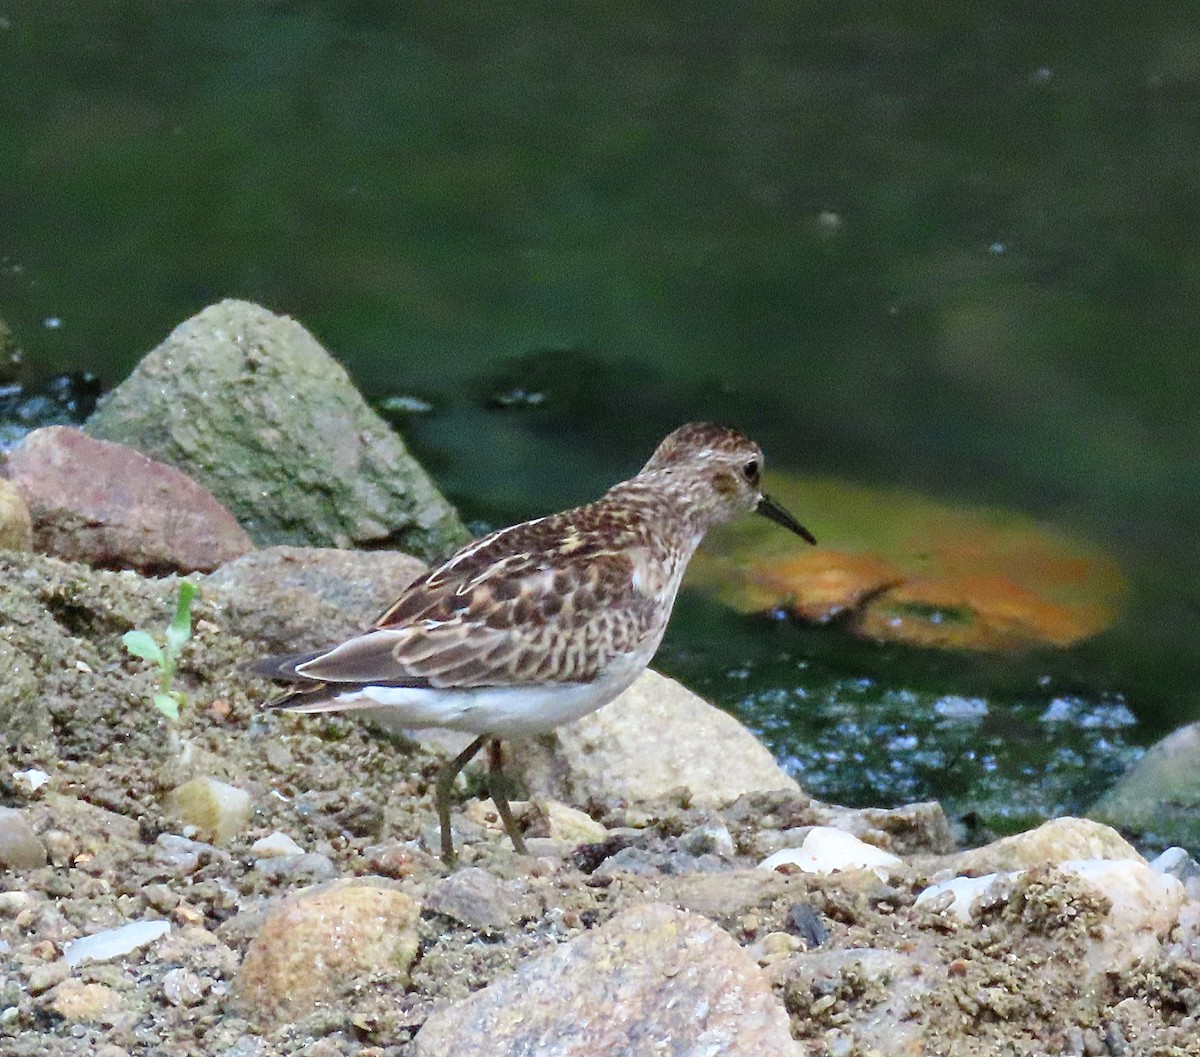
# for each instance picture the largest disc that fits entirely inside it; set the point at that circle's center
(307, 866)
(322, 941)
(47, 975)
(75, 1000)
(20, 848)
(183, 988)
(960, 895)
(826, 850)
(113, 943)
(275, 845)
(475, 898)
(12, 903)
(1177, 863)
(218, 811)
(182, 854)
(568, 824)
(708, 838)
(653, 979)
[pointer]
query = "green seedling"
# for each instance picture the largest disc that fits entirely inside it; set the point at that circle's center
(142, 644)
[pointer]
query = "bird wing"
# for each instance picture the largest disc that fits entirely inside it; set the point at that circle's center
(509, 610)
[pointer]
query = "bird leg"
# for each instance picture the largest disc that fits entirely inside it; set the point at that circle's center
(496, 788)
(445, 786)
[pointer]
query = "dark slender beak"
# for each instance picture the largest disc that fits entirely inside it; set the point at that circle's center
(772, 510)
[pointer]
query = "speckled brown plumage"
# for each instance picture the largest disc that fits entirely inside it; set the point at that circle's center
(542, 622)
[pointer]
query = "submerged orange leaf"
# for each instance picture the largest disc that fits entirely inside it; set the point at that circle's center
(898, 566)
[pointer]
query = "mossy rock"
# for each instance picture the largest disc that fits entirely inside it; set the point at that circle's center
(250, 405)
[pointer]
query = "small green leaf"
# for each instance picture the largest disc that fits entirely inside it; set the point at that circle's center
(180, 629)
(140, 644)
(167, 704)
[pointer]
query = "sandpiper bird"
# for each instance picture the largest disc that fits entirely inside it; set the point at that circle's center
(543, 622)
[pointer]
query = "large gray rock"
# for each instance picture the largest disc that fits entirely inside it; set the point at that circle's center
(655, 738)
(652, 980)
(250, 405)
(110, 506)
(1159, 796)
(303, 598)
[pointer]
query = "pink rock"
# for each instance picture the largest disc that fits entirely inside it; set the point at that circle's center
(113, 507)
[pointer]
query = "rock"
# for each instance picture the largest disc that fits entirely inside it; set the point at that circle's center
(1175, 862)
(275, 845)
(473, 897)
(1145, 907)
(1051, 842)
(183, 988)
(303, 598)
(77, 1001)
(310, 867)
(320, 942)
(91, 829)
(182, 855)
(20, 848)
(609, 755)
(558, 821)
(218, 811)
(890, 992)
(827, 850)
(651, 980)
(251, 406)
(16, 527)
(1159, 796)
(1138, 905)
(110, 506)
(961, 895)
(114, 943)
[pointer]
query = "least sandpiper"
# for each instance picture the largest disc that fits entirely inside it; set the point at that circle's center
(543, 622)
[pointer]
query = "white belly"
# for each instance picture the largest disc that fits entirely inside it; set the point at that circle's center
(502, 711)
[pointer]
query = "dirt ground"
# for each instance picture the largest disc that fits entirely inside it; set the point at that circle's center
(882, 976)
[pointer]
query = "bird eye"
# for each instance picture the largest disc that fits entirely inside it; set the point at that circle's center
(751, 470)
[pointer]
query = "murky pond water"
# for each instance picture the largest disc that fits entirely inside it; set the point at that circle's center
(947, 247)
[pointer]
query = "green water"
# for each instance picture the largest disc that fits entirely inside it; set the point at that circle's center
(954, 246)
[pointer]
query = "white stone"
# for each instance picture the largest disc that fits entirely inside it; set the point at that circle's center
(274, 846)
(826, 850)
(32, 779)
(113, 943)
(962, 893)
(1145, 907)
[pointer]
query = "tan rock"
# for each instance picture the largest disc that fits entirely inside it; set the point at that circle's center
(1051, 842)
(218, 811)
(75, 1000)
(653, 979)
(568, 824)
(320, 942)
(16, 528)
(20, 848)
(656, 737)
